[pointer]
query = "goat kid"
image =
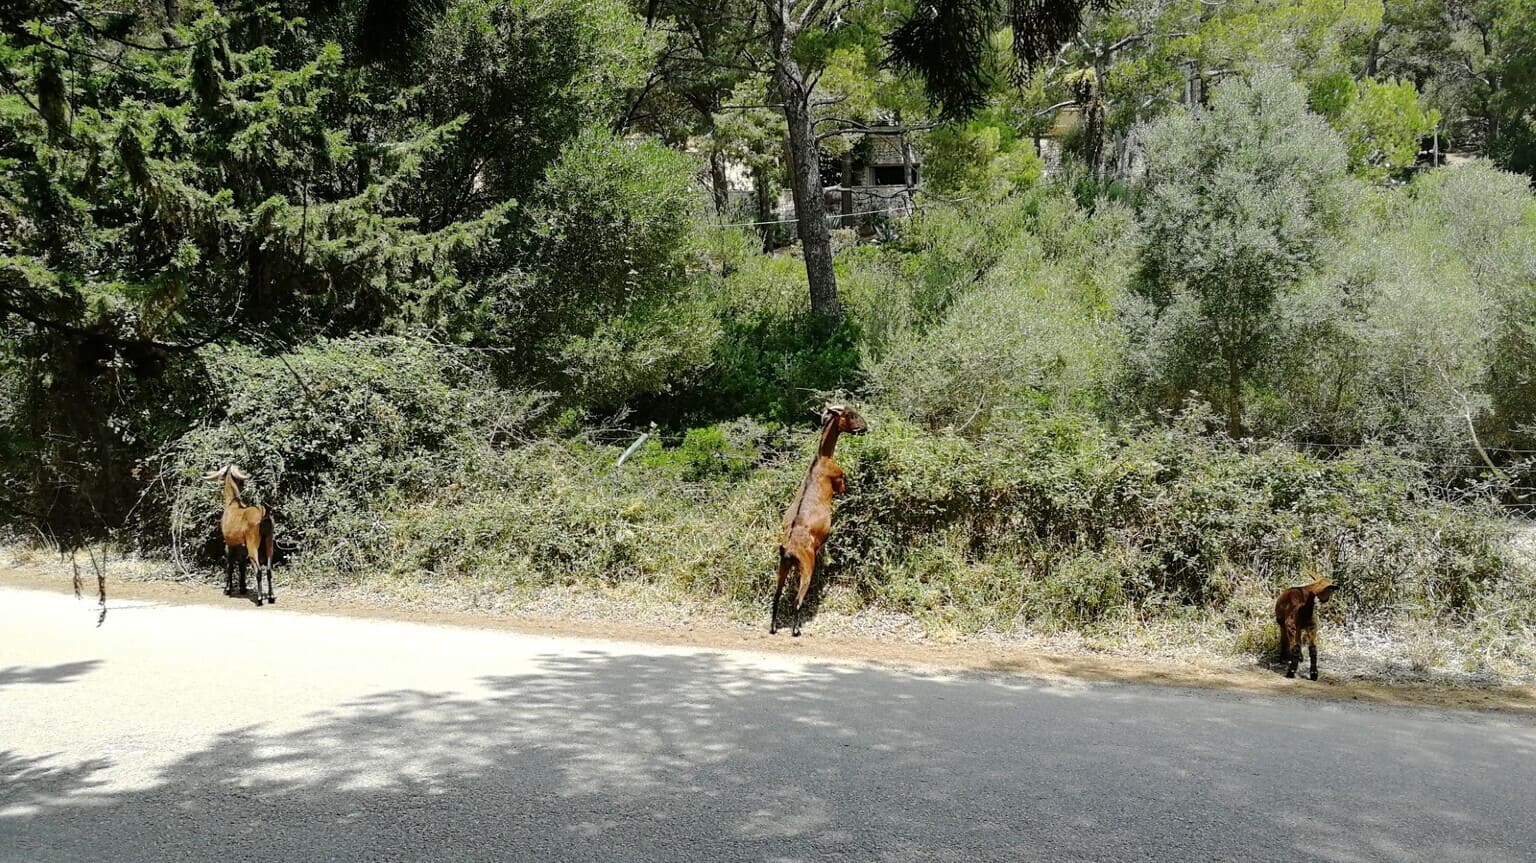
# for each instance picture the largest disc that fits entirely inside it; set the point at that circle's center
(248, 527)
(809, 517)
(1295, 611)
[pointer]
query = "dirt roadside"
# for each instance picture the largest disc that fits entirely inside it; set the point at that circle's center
(966, 656)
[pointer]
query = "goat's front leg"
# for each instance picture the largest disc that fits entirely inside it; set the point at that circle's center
(229, 571)
(1312, 656)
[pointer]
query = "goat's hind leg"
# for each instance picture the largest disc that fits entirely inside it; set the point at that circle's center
(778, 591)
(266, 546)
(805, 564)
(1290, 649)
(253, 557)
(229, 571)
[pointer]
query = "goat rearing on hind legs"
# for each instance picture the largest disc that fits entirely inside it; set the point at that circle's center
(248, 527)
(809, 517)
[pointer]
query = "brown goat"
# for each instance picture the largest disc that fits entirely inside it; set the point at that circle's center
(809, 517)
(1295, 611)
(248, 527)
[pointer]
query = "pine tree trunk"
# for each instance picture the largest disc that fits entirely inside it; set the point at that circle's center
(804, 166)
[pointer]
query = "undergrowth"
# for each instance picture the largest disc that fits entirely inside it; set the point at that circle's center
(1043, 522)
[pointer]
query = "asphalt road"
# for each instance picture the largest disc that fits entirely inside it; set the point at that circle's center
(203, 733)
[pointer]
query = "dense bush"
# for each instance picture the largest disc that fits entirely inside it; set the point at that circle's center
(769, 358)
(335, 434)
(1034, 330)
(1054, 518)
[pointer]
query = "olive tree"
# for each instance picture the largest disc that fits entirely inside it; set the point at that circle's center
(1239, 203)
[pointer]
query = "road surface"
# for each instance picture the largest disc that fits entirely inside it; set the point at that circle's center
(228, 734)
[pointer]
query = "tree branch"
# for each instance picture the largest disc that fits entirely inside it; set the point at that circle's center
(74, 11)
(854, 127)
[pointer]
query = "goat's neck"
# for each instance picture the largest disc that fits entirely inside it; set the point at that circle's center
(231, 491)
(829, 435)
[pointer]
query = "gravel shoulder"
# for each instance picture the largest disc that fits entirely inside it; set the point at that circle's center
(1043, 658)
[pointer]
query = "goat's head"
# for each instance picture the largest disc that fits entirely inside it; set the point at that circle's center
(232, 471)
(1323, 589)
(847, 419)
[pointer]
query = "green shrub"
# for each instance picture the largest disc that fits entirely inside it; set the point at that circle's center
(335, 433)
(1086, 522)
(1032, 330)
(1086, 587)
(772, 357)
(712, 453)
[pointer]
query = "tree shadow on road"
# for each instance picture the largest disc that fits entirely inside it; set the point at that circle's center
(601, 756)
(66, 672)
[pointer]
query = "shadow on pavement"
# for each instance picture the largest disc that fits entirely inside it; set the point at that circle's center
(700, 757)
(66, 672)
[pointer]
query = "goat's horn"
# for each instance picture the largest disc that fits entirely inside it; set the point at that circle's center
(237, 473)
(214, 474)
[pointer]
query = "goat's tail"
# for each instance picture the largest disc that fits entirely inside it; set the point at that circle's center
(788, 562)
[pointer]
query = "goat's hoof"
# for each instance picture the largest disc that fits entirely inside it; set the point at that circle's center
(1313, 675)
(795, 633)
(272, 600)
(1290, 674)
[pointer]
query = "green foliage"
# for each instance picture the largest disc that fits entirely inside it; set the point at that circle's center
(1033, 332)
(976, 160)
(335, 433)
(772, 366)
(608, 219)
(1063, 521)
(1332, 95)
(1382, 128)
(711, 453)
(1307, 37)
(768, 358)
(527, 76)
(1239, 207)
(197, 195)
(1429, 328)
(949, 44)
(650, 351)
(1472, 62)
